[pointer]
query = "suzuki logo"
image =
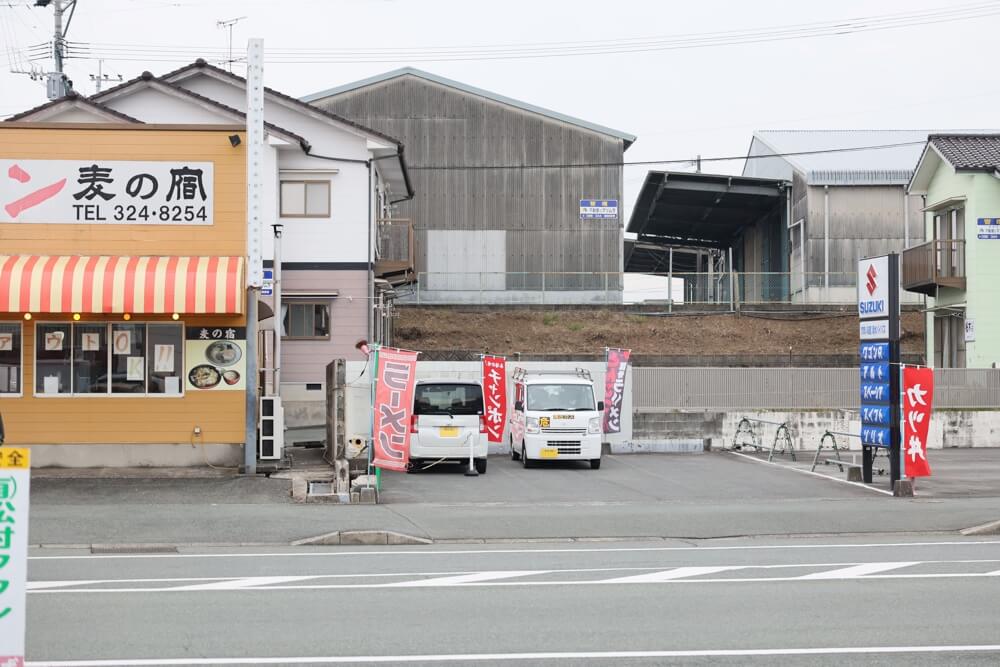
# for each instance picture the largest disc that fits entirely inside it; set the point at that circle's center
(871, 274)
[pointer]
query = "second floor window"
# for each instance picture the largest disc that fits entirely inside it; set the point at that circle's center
(301, 319)
(305, 199)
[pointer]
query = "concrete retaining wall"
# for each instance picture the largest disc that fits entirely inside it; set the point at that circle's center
(662, 431)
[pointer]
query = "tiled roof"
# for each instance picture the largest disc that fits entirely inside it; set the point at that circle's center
(76, 98)
(201, 64)
(969, 152)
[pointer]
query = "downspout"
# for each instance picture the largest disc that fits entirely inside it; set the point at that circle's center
(371, 259)
(906, 218)
(826, 238)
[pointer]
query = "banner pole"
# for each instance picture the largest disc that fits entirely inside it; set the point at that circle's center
(371, 442)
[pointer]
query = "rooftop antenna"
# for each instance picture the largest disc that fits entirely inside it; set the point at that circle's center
(229, 23)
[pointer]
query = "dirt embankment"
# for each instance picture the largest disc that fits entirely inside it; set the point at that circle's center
(589, 331)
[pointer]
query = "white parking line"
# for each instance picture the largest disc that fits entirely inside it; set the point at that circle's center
(463, 579)
(667, 575)
(478, 657)
(858, 570)
(810, 472)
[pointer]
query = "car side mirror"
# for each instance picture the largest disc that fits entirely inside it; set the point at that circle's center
(519, 406)
(600, 406)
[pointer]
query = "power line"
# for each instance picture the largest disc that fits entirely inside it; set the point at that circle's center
(687, 161)
(169, 53)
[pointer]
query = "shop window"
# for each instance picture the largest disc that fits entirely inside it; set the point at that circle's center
(53, 359)
(86, 359)
(90, 359)
(128, 359)
(164, 358)
(305, 199)
(305, 320)
(10, 358)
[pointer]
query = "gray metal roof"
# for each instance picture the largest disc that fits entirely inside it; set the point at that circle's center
(472, 90)
(850, 164)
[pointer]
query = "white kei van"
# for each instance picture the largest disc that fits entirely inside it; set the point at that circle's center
(555, 417)
(447, 420)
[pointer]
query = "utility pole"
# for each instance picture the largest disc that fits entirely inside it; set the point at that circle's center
(229, 23)
(58, 85)
(101, 77)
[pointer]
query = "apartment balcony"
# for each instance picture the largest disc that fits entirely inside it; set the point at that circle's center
(932, 265)
(395, 252)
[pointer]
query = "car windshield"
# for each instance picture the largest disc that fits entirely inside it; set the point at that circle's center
(560, 397)
(448, 398)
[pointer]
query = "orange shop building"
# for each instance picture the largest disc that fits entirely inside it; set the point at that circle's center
(122, 293)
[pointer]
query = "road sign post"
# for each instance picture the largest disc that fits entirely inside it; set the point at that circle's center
(15, 482)
(878, 311)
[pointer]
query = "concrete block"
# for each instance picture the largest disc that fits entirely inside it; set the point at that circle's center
(364, 537)
(660, 446)
(327, 539)
(903, 488)
(854, 474)
(300, 489)
(355, 497)
(991, 528)
(369, 496)
(402, 538)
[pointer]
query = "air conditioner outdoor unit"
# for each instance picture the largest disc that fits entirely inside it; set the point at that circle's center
(271, 429)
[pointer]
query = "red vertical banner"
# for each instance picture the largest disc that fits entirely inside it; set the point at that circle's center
(395, 378)
(614, 388)
(918, 394)
(495, 396)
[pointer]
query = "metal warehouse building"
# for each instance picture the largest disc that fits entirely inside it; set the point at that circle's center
(488, 224)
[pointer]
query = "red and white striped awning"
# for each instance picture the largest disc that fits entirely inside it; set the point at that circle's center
(82, 284)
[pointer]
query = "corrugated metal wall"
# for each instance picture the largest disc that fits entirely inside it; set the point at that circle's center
(538, 208)
(864, 221)
(666, 389)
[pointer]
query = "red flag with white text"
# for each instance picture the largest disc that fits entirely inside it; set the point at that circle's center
(918, 392)
(395, 379)
(495, 396)
(614, 388)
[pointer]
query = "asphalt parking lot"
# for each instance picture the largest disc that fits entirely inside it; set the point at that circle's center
(713, 476)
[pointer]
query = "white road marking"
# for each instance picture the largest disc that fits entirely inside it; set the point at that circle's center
(567, 655)
(858, 571)
(467, 552)
(243, 583)
(38, 585)
(810, 472)
(667, 575)
(464, 579)
(842, 571)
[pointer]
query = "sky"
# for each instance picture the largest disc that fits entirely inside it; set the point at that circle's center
(680, 102)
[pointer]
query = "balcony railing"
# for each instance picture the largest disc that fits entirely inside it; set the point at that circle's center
(934, 264)
(395, 252)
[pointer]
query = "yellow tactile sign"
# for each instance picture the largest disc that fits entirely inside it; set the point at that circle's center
(15, 457)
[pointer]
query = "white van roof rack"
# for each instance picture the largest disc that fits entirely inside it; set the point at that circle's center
(521, 374)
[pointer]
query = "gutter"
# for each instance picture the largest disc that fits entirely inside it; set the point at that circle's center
(411, 193)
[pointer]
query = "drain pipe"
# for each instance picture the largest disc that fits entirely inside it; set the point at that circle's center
(826, 238)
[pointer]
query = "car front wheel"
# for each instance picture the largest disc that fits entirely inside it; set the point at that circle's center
(481, 466)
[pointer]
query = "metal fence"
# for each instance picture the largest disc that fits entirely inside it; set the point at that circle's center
(668, 389)
(516, 287)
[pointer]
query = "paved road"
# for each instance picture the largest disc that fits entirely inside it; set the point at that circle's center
(701, 496)
(862, 601)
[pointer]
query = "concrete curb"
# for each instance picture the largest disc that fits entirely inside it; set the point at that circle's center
(361, 538)
(991, 528)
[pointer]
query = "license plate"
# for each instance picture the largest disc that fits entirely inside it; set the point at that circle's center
(548, 453)
(562, 416)
(448, 431)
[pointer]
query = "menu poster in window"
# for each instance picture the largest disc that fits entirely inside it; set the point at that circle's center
(163, 358)
(215, 358)
(6, 342)
(135, 370)
(121, 342)
(90, 342)
(54, 341)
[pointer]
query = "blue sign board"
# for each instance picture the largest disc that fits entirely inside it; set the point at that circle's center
(872, 392)
(874, 352)
(988, 228)
(875, 436)
(875, 414)
(875, 372)
(267, 289)
(598, 209)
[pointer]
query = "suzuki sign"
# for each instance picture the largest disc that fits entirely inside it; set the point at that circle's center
(873, 287)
